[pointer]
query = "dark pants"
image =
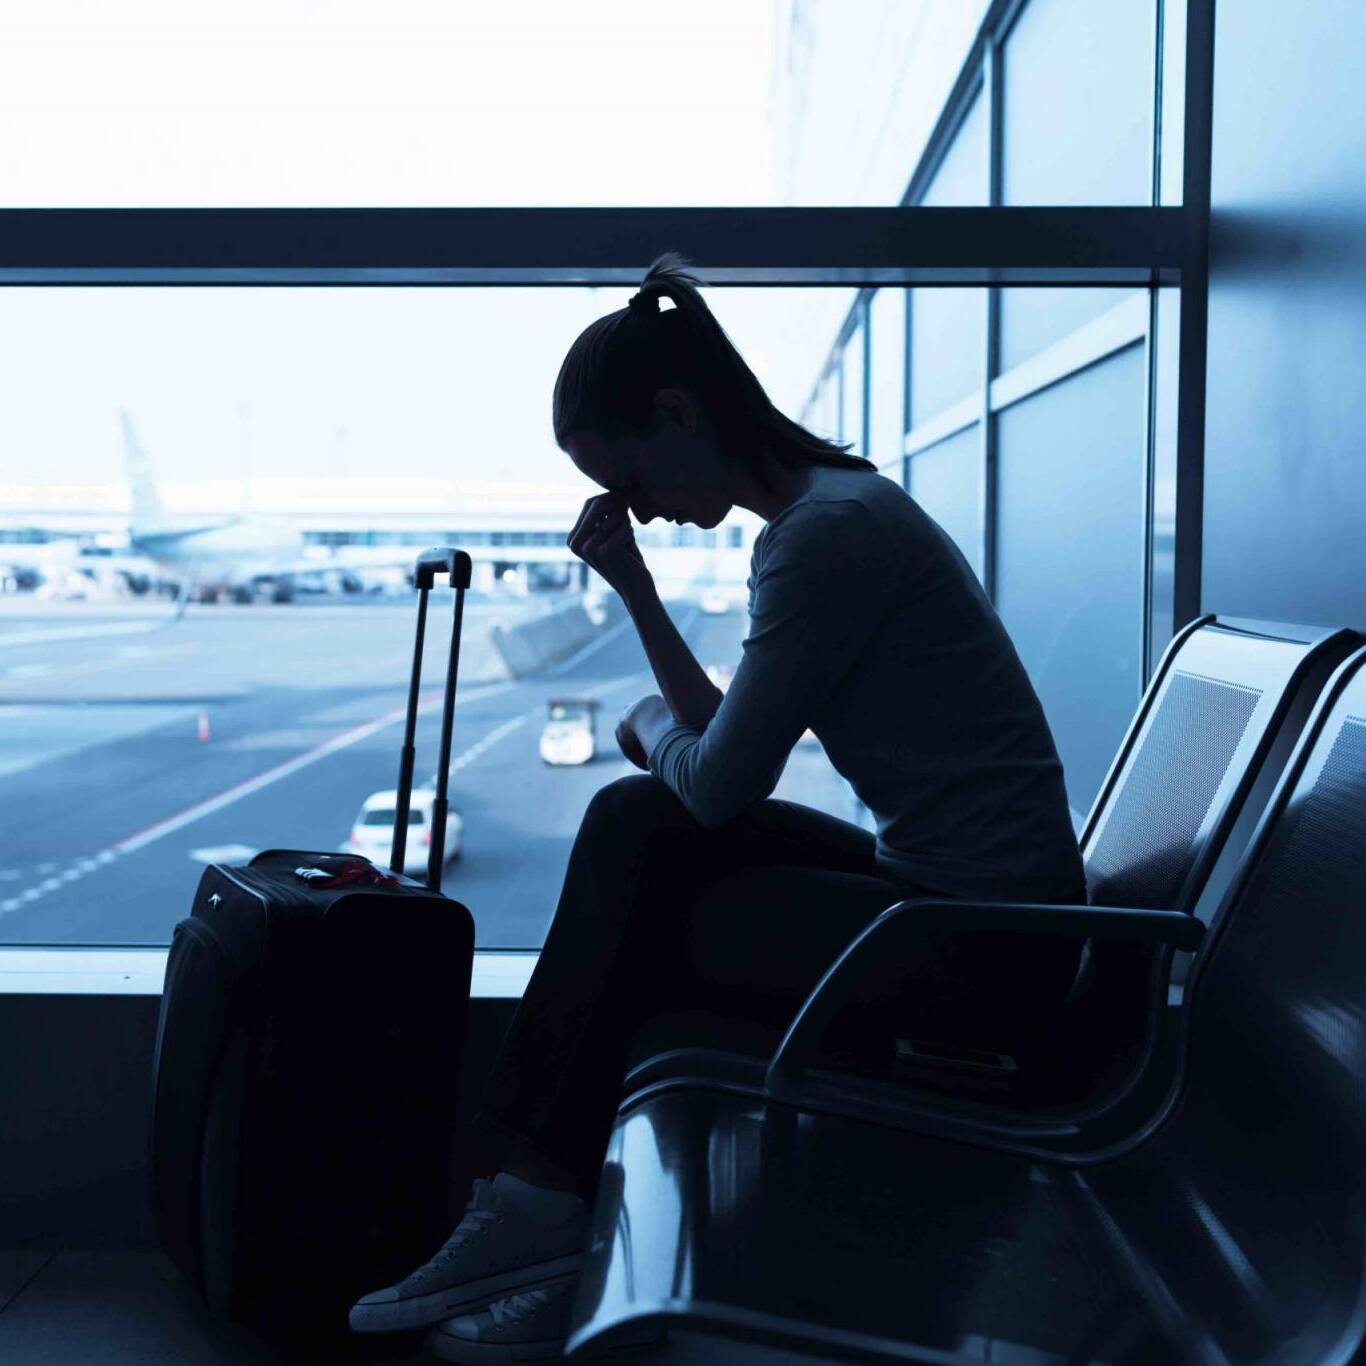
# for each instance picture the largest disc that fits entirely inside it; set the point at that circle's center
(637, 935)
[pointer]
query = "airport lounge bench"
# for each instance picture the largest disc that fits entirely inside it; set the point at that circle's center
(1210, 735)
(1229, 1228)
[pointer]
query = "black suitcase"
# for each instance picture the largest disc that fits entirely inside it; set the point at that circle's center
(307, 1066)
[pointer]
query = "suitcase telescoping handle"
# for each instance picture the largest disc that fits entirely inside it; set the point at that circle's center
(430, 563)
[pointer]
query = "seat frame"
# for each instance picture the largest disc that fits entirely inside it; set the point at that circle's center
(1102, 1124)
(1158, 1253)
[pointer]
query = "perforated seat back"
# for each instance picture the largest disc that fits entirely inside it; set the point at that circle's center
(1167, 804)
(1270, 1134)
(1285, 986)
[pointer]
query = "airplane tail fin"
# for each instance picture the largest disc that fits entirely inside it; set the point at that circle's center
(147, 509)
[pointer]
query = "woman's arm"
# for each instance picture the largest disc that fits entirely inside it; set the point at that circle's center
(692, 697)
(826, 581)
(603, 538)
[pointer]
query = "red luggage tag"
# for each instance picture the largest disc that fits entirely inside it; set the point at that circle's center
(356, 870)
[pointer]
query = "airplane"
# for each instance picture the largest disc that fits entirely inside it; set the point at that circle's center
(242, 555)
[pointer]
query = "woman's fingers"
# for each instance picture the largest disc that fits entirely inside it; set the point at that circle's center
(599, 513)
(603, 535)
(585, 512)
(630, 746)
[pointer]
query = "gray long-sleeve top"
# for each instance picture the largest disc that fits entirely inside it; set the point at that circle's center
(869, 627)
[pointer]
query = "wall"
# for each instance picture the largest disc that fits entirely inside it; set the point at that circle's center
(73, 1139)
(1285, 458)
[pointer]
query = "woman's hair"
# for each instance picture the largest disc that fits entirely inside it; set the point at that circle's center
(616, 366)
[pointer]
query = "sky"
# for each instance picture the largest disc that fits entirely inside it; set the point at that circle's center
(515, 103)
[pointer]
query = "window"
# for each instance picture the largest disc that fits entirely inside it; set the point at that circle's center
(887, 350)
(946, 480)
(1077, 89)
(1077, 129)
(852, 383)
(255, 104)
(947, 324)
(136, 746)
(363, 424)
(1070, 474)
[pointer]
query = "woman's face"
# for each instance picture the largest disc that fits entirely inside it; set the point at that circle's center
(676, 472)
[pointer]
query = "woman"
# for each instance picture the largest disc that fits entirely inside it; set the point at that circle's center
(866, 625)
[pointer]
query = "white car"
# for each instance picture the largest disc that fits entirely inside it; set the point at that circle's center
(568, 736)
(372, 835)
(714, 602)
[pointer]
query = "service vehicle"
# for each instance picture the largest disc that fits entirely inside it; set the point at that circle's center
(569, 735)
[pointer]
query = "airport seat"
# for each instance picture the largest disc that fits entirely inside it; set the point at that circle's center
(1209, 737)
(1230, 1229)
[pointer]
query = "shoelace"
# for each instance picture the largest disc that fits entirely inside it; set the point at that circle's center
(478, 1218)
(517, 1307)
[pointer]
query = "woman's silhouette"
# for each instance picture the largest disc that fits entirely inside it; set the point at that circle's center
(867, 626)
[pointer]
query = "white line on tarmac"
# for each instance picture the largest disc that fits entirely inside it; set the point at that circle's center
(491, 739)
(109, 628)
(235, 793)
(344, 740)
(152, 833)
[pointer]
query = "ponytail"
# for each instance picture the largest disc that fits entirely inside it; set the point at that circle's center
(616, 366)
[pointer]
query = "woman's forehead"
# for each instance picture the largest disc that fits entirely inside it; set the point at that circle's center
(606, 462)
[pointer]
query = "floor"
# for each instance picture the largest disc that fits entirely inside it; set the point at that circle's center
(131, 1308)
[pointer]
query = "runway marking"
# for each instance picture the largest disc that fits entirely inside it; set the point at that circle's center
(81, 867)
(113, 628)
(344, 740)
(224, 853)
(491, 739)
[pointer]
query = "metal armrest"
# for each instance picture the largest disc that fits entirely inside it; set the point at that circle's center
(908, 920)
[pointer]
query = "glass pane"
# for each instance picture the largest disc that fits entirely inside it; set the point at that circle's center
(1173, 122)
(1167, 377)
(946, 324)
(1033, 319)
(1070, 475)
(851, 407)
(822, 413)
(541, 103)
(887, 326)
(946, 480)
(961, 180)
(286, 454)
(1077, 81)
(947, 354)
(857, 90)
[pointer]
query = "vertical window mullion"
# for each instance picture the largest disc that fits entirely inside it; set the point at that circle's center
(991, 93)
(905, 387)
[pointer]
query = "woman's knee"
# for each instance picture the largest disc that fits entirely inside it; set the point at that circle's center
(637, 799)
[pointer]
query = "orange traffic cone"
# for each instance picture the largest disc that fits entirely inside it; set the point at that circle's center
(203, 725)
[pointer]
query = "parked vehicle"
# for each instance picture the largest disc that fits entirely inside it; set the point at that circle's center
(372, 834)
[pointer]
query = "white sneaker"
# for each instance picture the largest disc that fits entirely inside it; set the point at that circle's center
(514, 1236)
(531, 1326)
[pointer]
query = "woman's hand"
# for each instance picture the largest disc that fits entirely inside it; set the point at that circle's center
(640, 727)
(603, 539)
